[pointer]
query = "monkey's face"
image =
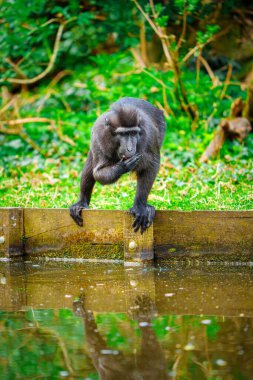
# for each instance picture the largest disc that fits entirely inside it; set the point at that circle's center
(125, 128)
(127, 141)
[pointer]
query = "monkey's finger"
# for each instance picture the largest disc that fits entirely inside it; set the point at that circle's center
(134, 159)
(137, 228)
(136, 220)
(78, 220)
(144, 225)
(151, 215)
(77, 216)
(139, 223)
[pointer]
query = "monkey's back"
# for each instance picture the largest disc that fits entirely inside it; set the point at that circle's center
(153, 112)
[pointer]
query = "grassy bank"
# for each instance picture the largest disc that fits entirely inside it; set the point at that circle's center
(50, 177)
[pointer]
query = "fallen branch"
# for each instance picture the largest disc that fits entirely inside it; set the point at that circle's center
(27, 120)
(19, 131)
(237, 128)
(22, 133)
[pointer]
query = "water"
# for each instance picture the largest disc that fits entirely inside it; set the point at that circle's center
(104, 321)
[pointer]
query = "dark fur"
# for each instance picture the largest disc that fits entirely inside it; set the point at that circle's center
(142, 152)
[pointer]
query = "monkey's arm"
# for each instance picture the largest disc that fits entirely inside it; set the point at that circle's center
(143, 213)
(106, 174)
(87, 184)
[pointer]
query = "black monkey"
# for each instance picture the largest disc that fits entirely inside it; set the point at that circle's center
(126, 138)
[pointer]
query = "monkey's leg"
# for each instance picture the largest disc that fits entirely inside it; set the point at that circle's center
(143, 213)
(87, 184)
(103, 357)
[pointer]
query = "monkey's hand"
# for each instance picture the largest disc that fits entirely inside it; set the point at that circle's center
(130, 164)
(143, 217)
(144, 309)
(76, 211)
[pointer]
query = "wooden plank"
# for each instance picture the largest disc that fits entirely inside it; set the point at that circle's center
(52, 232)
(106, 234)
(137, 247)
(203, 232)
(11, 232)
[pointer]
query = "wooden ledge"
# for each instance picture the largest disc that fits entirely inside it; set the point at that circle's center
(107, 234)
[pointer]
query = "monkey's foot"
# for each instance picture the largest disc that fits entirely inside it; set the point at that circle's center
(143, 217)
(76, 211)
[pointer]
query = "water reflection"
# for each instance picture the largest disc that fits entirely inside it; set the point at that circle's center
(104, 321)
(111, 364)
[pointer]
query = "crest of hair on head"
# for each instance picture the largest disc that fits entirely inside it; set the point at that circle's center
(127, 115)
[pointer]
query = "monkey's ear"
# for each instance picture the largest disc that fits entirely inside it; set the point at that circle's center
(107, 122)
(139, 120)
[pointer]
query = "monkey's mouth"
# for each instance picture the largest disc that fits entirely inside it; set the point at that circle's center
(124, 158)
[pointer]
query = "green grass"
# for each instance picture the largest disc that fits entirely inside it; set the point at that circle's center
(27, 179)
(182, 183)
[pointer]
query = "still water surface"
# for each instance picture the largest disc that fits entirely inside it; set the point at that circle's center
(104, 321)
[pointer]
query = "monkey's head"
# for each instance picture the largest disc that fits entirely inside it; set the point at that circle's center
(124, 124)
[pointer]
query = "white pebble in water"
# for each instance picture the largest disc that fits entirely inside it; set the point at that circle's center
(143, 324)
(63, 373)
(109, 352)
(3, 280)
(2, 239)
(189, 347)
(169, 294)
(221, 362)
(206, 322)
(132, 245)
(68, 295)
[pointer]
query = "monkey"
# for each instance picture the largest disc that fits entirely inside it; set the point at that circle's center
(126, 138)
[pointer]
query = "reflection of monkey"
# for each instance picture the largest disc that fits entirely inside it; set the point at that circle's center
(111, 364)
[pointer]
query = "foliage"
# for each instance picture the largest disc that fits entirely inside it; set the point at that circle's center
(29, 179)
(29, 29)
(91, 72)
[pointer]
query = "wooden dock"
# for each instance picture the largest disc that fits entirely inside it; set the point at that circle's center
(107, 234)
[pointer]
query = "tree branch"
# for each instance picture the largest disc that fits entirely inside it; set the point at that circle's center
(50, 64)
(181, 38)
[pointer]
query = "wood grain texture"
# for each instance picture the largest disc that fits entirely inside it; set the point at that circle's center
(203, 232)
(11, 232)
(50, 231)
(107, 234)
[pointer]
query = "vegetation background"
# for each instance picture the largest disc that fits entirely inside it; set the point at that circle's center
(64, 62)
